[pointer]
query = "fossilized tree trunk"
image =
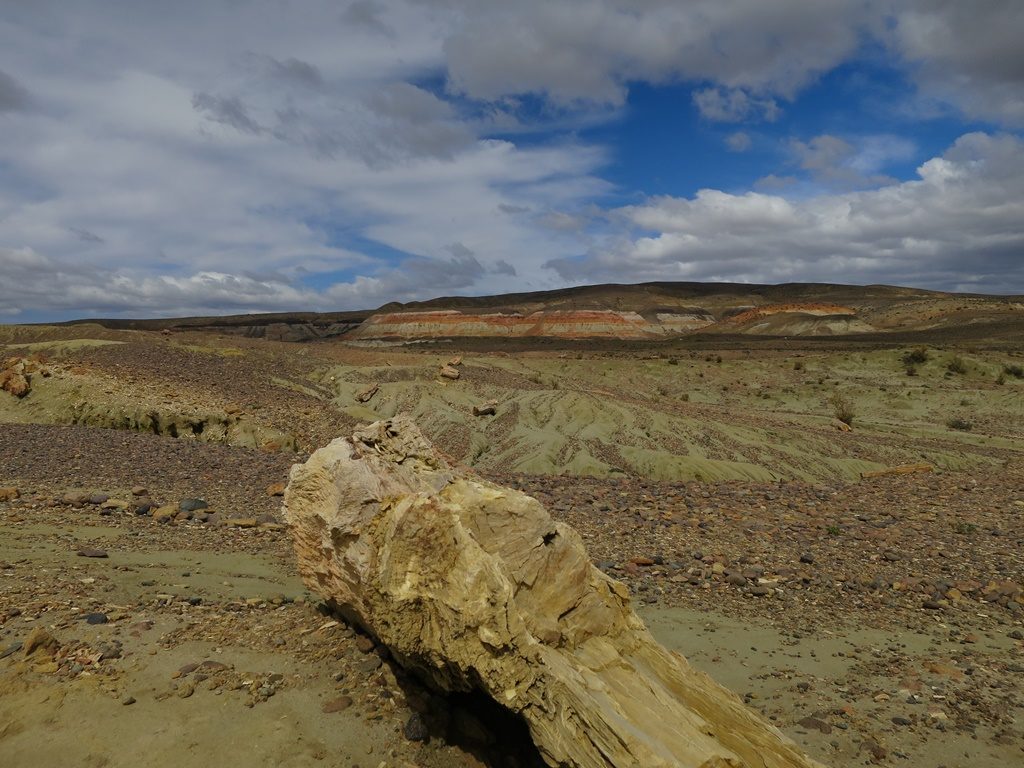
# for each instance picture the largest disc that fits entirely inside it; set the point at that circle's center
(474, 586)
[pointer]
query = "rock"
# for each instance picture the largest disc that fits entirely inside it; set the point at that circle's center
(415, 729)
(140, 490)
(807, 558)
(9, 494)
(128, 701)
(99, 498)
(813, 723)
(191, 505)
(241, 522)
(40, 641)
(95, 618)
(486, 409)
(339, 704)
(90, 552)
(164, 514)
(275, 489)
(469, 585)
(450, 373)
(366, 395)
(456, 361)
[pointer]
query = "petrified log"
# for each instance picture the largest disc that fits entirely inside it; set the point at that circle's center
(902, 469)
(472, 585)
(366, 395)
(449, 373)
(485, 409)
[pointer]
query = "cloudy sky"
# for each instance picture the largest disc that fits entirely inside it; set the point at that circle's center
(218, 156)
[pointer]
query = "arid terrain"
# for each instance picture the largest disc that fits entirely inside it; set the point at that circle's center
(727, 454)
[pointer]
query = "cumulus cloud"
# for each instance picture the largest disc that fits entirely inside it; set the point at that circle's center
(252, 157)
(578, 50)
(969, 200)
(967, 54)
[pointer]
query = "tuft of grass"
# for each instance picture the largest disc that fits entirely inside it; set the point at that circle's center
(957, 366)
(960, 424)
(1014, 370)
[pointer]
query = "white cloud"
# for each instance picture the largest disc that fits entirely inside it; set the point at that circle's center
(957, 226)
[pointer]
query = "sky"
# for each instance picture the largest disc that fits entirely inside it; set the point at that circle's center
(219, 156)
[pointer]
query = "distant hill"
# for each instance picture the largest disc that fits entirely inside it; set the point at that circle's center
(634, 311)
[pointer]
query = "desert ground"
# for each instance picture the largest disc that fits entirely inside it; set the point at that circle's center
(150, 608)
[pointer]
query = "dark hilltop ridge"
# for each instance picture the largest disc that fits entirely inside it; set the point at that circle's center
(656, 311)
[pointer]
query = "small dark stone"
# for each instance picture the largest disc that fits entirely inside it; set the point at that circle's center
(932, 605)
(99, 498)
(191, 505)
(95, 618)
(807, 558)
(143, 509)
(900, 720)
(89, 552)
(195, 600)
(415, 729)
(128, 700)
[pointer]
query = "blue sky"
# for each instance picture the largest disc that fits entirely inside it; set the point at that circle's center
(224, 158)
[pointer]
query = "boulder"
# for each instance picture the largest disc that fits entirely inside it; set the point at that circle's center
(13, 379)
(474, 586)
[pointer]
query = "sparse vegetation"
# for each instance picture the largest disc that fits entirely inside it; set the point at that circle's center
(798, 365)
(957, 366)
(1014, 370)
(916, 356)
(960, 424)
(842, 408)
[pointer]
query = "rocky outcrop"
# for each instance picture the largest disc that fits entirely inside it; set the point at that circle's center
(471, 585)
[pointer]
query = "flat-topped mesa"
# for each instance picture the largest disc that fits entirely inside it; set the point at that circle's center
(474, 586)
